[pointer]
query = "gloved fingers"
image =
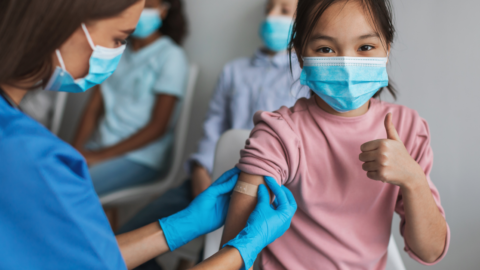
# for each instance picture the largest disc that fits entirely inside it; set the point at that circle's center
(263, 195)
(275, 203)
(226, 176)
(225, 187)
(277, 191)
(291, 198)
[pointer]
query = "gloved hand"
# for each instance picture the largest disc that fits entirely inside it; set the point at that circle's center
(206, 213)
(266, 223)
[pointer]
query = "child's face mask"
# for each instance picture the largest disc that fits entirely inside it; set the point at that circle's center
(275, 32)
(344, 83)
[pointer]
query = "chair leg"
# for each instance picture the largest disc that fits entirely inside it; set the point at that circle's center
(112, 216)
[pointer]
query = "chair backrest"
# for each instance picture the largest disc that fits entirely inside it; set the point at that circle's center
(394, 260)
(227, 155)
(181, 131)
(58, 111)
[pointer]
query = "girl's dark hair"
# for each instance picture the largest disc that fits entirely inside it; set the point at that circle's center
(310, 11)
(31, 31)
(175, 24)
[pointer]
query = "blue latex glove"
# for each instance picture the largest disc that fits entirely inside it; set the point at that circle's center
(206, 213)
(266, 223)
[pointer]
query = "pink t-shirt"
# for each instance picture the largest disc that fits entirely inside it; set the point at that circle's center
(344, 218)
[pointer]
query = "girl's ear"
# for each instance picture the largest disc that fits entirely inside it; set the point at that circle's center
(300, 59)
(389, 46)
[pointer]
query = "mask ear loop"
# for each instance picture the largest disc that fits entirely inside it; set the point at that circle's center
(60, 60)
(89, 38)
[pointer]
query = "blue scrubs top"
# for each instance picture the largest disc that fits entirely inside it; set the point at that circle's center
(50, 215)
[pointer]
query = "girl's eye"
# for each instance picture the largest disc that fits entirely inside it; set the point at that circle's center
(325, 50)
(285, 11)
(365, 48)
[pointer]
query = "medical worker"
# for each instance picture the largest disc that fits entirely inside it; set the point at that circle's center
(246, 85)
(50, 215)
(126, 133)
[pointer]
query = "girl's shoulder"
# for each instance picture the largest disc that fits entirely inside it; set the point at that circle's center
(408, 122)
(284, 121)
(400, 112)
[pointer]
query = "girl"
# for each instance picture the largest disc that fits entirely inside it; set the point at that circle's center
(340, 152)
(136, 107)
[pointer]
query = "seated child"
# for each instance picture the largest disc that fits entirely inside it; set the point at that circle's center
(126, 133)
(350, 160)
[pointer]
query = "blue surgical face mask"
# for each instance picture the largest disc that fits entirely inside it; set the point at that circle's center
(275, 32)
(103, 63)
(150, 21)
(344, 83)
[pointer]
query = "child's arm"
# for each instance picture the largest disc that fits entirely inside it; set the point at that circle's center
(424, 229)
(241, 206)
(158, 125)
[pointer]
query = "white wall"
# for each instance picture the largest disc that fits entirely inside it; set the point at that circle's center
(434, 66)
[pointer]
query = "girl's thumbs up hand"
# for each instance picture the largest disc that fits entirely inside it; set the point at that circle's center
(388, 160)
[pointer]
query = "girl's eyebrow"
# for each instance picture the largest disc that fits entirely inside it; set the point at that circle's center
(370, 35)
(320, 36)
(329, 38)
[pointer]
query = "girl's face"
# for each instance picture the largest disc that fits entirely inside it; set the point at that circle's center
(345, 30)
(281, 8)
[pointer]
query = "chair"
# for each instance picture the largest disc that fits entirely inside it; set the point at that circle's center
(161, 185)
(58, 111)
(227, 155)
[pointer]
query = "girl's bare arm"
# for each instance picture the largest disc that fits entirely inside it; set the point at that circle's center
(241, 206)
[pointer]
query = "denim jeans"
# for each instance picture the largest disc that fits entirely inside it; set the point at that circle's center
(171, 202)
(120, 173)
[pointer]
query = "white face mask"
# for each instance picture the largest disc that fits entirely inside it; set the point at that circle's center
(103, 63)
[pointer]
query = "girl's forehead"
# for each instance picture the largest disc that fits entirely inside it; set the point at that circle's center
(345, 18)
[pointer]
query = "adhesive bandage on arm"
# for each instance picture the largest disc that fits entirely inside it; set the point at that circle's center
(246, 188)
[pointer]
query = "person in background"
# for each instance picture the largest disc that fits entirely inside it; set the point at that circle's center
(127, 128)
(246, 85)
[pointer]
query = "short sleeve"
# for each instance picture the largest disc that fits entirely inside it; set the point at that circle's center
(51, 215)
(273, 148)
(172, 76)
(423, 154)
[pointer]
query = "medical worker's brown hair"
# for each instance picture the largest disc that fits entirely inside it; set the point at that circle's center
(310, 11)
(31, 31)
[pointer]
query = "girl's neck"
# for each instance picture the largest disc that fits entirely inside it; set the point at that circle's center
(357, 112)
(138, 44)
(15, 93)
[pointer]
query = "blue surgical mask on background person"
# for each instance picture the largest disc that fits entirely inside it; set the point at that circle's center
(103, 63)
(344, 83)
(275, 32)
(150, 21)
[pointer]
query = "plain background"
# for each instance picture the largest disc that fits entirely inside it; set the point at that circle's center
(434, 64)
